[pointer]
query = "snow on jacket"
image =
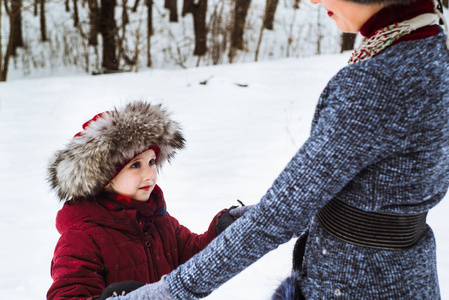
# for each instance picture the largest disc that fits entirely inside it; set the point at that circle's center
(379, 142)
(99, 246)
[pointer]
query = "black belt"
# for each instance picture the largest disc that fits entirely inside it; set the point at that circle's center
(371, 229)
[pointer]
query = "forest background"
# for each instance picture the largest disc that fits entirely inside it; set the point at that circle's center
(51, 37)
(223, 109)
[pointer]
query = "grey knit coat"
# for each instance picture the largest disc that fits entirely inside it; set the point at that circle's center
(379, 142)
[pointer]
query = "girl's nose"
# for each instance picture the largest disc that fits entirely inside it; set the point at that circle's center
(149, 174)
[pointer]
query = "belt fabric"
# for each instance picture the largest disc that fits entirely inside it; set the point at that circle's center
(378, 230)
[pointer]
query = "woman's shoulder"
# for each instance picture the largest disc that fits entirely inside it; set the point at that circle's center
(408, 60)
(399, 70)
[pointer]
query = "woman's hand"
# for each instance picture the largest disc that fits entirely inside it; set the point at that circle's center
(154, 291)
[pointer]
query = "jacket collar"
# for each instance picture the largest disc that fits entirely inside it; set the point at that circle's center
(397, 13)
(79, 213)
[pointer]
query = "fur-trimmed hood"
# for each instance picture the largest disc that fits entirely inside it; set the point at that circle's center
(107, 143)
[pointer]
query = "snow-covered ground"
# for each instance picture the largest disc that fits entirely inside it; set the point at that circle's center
(238, 140)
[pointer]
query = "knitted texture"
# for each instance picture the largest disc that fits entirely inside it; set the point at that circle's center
(379, 142)
(154, 291)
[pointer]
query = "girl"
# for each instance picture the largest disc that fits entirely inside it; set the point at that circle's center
(358, 190)
(114, 225)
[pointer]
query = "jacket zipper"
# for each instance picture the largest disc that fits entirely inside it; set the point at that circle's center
(147, 245)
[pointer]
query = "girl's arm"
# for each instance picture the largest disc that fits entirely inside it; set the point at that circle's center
(190, 243)
(76, 268)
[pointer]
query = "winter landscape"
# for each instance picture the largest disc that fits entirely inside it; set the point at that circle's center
(242, 122)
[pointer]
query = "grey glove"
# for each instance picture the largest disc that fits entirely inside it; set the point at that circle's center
(154, 291)
(239, 211)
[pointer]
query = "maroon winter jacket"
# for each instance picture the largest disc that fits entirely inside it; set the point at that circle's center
(102, 243)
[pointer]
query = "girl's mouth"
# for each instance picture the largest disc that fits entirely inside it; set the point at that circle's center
(145, 188)
(330, 14)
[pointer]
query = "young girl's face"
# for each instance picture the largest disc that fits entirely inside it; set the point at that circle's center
(349, 16)
(137, 179)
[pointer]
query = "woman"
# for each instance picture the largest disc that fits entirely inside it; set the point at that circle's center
(358, 190)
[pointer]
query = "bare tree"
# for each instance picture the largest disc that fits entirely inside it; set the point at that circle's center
(43, 22)
(270, 10)
(172, 6)
(15, 19)
(240, 13)
(94, 22)
(218, 26)
(41, 4)
(108, 31)
(187, 7)
(136, 4)
(1, 46)
(199, 11)
(296, 5)
(291, 29)
(347, 41)
(76, 18)
(121, 38)
(4, 60)
(319, 32)
(149, 4)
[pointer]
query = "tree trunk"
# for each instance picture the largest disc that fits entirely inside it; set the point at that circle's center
(150, 31)
(8, 54)
(347, 41)
(108, 31)
(296, 5)
(35, 7)
(319, 33)
(94, 22)
(43, 22)
(187, 7)
(199, 22)
(4, 61)
(121, 38)
(240, 13)
(67, 6)
(446, 3)
(125, 16)
(1, 45)
(219, 33)
(76, 18)
(16, 26)
(136, 4)
(172, 6)
(270, 10)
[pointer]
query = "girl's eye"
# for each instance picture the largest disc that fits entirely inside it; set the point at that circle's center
(135, 165)
(152, 162)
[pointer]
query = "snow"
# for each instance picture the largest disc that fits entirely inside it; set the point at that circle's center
(238, 140)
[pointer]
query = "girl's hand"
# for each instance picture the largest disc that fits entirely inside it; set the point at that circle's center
(229, 216)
